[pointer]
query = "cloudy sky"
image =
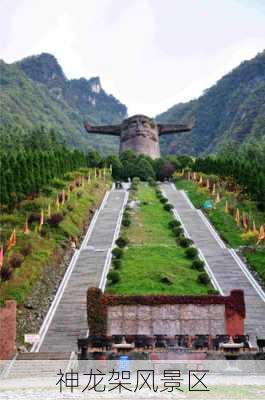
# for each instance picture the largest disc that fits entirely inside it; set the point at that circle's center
(150, 54)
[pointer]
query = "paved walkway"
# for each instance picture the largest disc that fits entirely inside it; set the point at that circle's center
(227, 270)
(67, 316)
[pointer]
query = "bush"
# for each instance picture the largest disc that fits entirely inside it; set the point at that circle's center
(122, 241)
(191, 252)
(47, 190)
(203, 278)
(126, 215)
(185, 242)
(168, 207)
(26, 249)
(163, 200)
(136, 180)
(5, 273)
(69, 207)
(33, 218)
(197, 264)
(30, 206)
(55, 219)
(178, 231)
(114, 277)
(117, 252)
(57, 183)
(126, 222)
(174, 223)
(151, 181)
(79, 194)
(15, 260)
(116, 262)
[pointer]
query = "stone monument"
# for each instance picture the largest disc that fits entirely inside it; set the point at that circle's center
(139, 133)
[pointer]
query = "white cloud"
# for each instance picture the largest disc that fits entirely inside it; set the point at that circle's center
(149, 53)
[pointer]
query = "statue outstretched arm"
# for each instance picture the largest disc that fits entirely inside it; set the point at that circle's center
(173, 128)
(114, 130)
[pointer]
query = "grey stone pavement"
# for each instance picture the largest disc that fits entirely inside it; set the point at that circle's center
(70, 318)
(226, 270)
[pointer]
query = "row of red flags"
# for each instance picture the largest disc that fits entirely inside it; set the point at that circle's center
(60, 200)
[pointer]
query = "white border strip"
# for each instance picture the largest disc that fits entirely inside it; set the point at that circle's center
(49, 316)
(248, 274)
(8, 366)
(211, 229)
(103, 280)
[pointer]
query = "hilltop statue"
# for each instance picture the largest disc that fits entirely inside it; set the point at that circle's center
(139, 133)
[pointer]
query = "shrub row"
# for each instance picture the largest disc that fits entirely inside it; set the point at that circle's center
(191, 252)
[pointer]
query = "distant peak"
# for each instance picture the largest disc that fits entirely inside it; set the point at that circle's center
(95, 84)
(42, 68)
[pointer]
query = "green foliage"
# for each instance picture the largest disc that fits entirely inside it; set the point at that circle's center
(178, 231)
(185, 242)
(163, 200)
(116, 262)
(191, 252)
(126, 222)
(117, 252)
(233, 108)
(204, 278)
(35, 91)
(197, 264)
(174, 224)
(149, 267)
(35, 169)
(114, 277)
(168, 207)
(245, 165)
(122, 241)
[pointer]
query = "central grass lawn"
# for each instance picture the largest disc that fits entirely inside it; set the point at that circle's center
(153, 254)
(150, 221)
(144, 266)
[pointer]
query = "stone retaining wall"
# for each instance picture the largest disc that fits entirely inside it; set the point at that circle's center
(165, 315)
(177, 319)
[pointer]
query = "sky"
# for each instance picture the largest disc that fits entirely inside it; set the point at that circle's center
(150, 54)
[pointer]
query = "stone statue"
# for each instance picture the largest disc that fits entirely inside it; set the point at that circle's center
(139, 133)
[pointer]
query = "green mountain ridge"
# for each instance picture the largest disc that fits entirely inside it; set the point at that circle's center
(231, 110)
(35, 91)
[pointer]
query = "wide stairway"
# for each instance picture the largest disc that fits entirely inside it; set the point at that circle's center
(226, 269)
(67, 318)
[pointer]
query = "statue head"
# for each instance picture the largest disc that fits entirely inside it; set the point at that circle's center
(139, 126)
(140, 133)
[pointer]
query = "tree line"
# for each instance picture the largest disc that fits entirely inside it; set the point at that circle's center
(24, 172)
(245, 164)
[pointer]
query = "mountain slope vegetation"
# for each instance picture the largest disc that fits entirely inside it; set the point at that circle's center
(35, 91)
(231, 110)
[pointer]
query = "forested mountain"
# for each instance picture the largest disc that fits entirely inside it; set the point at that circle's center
(231, 110)
(35, 91)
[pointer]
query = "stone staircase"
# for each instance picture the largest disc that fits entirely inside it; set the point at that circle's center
(227, 269)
